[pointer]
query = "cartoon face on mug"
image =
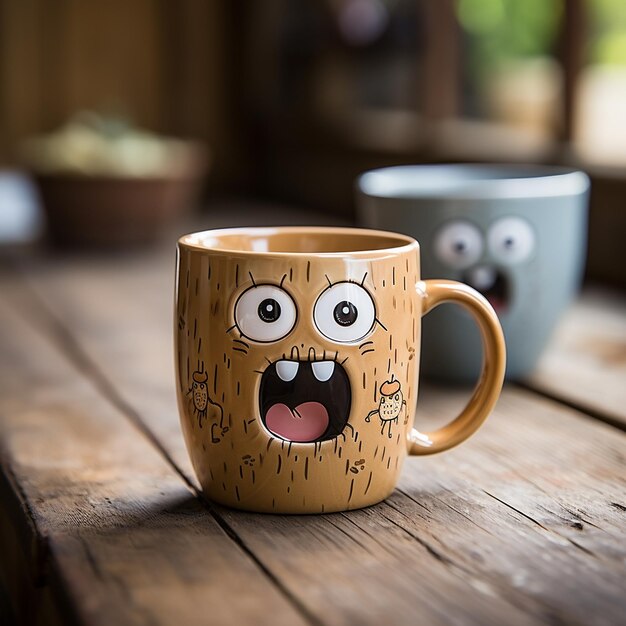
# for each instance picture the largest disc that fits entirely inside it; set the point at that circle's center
(486, 255)
(305, 397)
(315, 355)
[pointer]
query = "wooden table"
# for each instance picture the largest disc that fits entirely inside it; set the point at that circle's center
(102, 522)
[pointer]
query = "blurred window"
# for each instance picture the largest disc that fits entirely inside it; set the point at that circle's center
(510, 72)
(600, 123)
(462, 79)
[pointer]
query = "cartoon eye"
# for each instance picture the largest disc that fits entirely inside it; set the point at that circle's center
(265, 313)
(511, 240)
(382, 400)
(458, 244)
(344, 312)
(396, 397)
(195, 385)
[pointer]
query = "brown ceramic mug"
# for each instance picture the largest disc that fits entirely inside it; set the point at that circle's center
(297, 359)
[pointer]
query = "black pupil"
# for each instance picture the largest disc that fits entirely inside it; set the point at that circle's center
(345, 313)
(460, 247)
(509, 242)
(269, 310)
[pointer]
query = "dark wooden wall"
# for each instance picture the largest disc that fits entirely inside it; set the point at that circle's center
(169, 65)
(191, 68)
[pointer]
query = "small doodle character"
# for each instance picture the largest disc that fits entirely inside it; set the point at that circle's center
(199, 393)
(390, 405)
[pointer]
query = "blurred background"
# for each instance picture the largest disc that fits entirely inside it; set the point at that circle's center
(291, 100)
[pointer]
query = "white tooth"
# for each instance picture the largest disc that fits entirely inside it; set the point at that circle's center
(287, 370)
(323, 370)
(483, 277)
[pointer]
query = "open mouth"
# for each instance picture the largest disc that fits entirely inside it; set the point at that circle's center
(305, 401)
(491, 283)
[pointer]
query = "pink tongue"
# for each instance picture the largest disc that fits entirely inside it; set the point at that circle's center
(496, 303)
(306, 422)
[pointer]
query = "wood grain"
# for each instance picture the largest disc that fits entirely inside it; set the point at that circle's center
(585, 363)
(512, 513)
(96, 526)
(524, 524)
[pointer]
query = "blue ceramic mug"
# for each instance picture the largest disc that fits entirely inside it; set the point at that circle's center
(517, 234)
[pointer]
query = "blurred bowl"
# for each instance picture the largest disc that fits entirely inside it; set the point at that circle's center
(104, 182)
(116, 211)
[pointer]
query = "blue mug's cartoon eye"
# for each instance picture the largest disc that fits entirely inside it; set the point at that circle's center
(265, 313)
(511, 240)
(458, 244)
(344, 312)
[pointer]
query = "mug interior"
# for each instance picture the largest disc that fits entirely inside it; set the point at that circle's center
(472, 181)
(297, 240)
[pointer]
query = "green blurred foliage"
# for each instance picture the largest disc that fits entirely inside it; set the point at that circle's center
(503, 30)
(607, 44)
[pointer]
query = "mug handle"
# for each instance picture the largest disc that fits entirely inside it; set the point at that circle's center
(487, 390)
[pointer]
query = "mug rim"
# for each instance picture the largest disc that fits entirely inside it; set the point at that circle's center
(489, 181)
(197, 241)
